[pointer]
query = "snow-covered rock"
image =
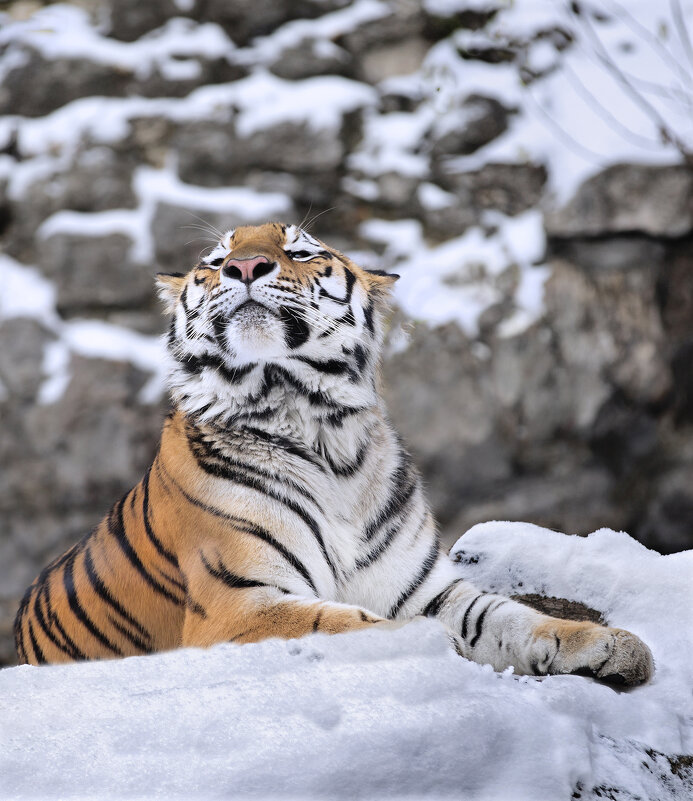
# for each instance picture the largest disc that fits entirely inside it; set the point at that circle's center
(378, 714)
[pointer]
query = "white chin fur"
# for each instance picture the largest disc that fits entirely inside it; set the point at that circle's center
(255, 334)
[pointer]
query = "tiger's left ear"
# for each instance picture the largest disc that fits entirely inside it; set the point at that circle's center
(381, 280)
(169, 286)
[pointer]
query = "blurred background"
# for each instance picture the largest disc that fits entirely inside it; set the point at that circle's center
(527, 167)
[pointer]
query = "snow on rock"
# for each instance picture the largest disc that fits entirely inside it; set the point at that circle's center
(64, 31)
(24, 292)
(457, 280)
(377, 713)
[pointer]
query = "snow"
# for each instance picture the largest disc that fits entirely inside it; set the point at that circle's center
(457, 280)
(324, 29)
(64, 31)
(376, 713)
(24, 292)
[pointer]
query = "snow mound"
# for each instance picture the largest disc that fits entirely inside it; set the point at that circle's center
(377, 714)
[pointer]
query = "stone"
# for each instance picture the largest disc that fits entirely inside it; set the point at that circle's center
(309, 58)
(397, 58)
(244, 20)
(508, 188)
(130, 19)
(212, 153)
(668, 517)
(70, 79)
(95, 273)
(21, 353)
(477, 121)
(402, 24)
(629, 197)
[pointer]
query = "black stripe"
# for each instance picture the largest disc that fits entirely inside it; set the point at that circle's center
(273, 373)
(169, 556)
(480, 625)
(465, 619)
(195, 608)
(402, 490)
(77, 653)
(434, 605)
(308, 519)
(104, 593)
(233, 580)
(78, 609)
(249, 528)
(426, 568)
(38, 653)
(195, 364)
(349, 468)
(46, 628)
(316, 622)
(328, 367)
(116, 528)
(179, 585)
(134, 639)
(286, 444)
(211, 451)
(336, 418)
(17, 628)
(382, 546)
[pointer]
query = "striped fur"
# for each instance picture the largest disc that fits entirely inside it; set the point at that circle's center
(281, 501)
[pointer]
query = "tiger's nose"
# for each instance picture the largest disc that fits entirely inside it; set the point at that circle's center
(247, 270)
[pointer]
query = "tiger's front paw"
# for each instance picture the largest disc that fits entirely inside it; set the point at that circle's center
(612, 655)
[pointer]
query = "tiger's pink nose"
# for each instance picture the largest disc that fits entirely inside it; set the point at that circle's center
(248, 270)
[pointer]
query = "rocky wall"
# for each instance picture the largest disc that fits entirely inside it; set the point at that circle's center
(152, 124)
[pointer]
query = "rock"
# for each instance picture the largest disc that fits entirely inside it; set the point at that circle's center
(629, 197)
(476, 122)
(609, 325)
(668, 518)
(508, 188)
(402, 57)
(578, 502)
(62, 80)
(404, 23)
(20, 365)
(309, 58)
(97, 179)
(245, 19)
(67, 80)
(213, 154)
(95, 272)
(130, 19)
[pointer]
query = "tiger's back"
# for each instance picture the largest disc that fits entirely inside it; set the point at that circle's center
(117, 592)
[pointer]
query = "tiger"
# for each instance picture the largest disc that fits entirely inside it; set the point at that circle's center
(281, 501)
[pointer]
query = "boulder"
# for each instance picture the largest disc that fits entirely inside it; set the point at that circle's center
(629, 197)
(508, 188)
(95, 272)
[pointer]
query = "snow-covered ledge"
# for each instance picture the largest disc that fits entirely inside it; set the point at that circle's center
(378, 713)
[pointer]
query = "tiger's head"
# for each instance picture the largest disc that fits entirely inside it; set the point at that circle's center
(273, 313)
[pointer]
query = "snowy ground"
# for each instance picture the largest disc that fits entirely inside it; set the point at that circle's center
(378, 714)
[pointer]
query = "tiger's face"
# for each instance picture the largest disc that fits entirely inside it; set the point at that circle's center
(271, 302)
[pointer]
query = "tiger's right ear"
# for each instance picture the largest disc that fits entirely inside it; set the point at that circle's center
(169, 286)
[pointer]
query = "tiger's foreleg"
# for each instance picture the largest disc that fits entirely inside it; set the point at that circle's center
(223, 605)
(495, 630)
(251, 615)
